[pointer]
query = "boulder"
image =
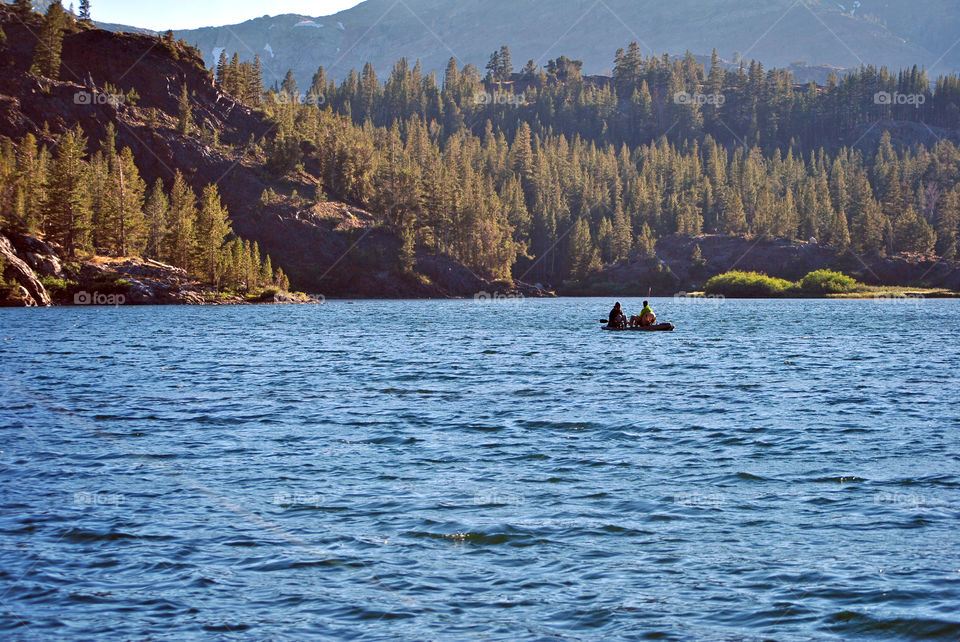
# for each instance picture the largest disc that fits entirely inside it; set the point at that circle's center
(17, 269)
(38, 255)
(141, 294)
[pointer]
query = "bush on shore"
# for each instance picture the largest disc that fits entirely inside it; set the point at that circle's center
(748, 285)
(758, 285)
(828, 282)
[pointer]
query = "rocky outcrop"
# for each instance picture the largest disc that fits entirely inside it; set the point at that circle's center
(102, 281)
(134, 282)
(37, 254)
(31, 291)
(911, 270)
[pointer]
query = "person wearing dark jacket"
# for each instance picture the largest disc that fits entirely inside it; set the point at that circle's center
(617, 318)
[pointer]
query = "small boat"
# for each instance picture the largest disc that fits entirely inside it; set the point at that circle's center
(660, 327)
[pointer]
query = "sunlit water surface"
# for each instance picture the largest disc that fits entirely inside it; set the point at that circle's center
(454, 470)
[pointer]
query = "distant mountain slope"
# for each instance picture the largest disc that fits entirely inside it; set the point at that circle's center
(778, 32)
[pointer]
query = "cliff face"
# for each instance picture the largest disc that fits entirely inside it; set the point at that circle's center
(334, 249)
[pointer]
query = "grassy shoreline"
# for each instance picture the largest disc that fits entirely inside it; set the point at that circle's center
(820, 284)
(874, 292)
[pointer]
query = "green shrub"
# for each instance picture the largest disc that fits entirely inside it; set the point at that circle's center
(269, 292)
(57, 287)
(748, 284)
(828, 282)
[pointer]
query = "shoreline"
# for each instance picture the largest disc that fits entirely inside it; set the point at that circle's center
(885, 296)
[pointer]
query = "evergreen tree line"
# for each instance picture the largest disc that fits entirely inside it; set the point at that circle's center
(98, 204)
(243, 80)
(646, 98)
(549, 206)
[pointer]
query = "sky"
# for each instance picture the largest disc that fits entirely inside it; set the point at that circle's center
(190, 14)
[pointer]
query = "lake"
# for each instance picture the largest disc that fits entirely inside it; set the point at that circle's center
(463, 470)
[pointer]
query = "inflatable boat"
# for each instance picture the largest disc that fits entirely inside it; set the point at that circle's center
(660, 327)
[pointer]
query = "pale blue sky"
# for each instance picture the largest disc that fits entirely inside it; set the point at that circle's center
(189, 14)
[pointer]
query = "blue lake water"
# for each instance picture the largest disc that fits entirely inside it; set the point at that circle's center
(454, 470)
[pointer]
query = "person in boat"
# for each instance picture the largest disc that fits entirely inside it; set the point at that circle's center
(617, 318)
(645, 319)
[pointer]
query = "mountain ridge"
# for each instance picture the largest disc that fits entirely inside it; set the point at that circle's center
(820, 35)
(778, 32)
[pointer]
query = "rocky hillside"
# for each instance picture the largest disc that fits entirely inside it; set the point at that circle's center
(333, 249)
(778, 32)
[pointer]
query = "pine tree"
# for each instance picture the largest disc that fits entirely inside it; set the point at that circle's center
(46, 54)
(582, 256)
(256, 266)
(180, 243)
(156, 212)
(249, 269)
(255, 82)
(34, 165)
(234, 274)
(948, 223)
(222, 66)
(318, 88)
(125, 193)
(85, 10)
(213, 227)
(185, 119)
(839, 231)
(866, 218)
(646, 241)
(233, 77)
(493, 67)
(266, 272)
(10, 213)
(622, 236)
(529, 71)
(289, 87)
(68, 198)
(733, 217)
(912, 233)
(505, 70)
